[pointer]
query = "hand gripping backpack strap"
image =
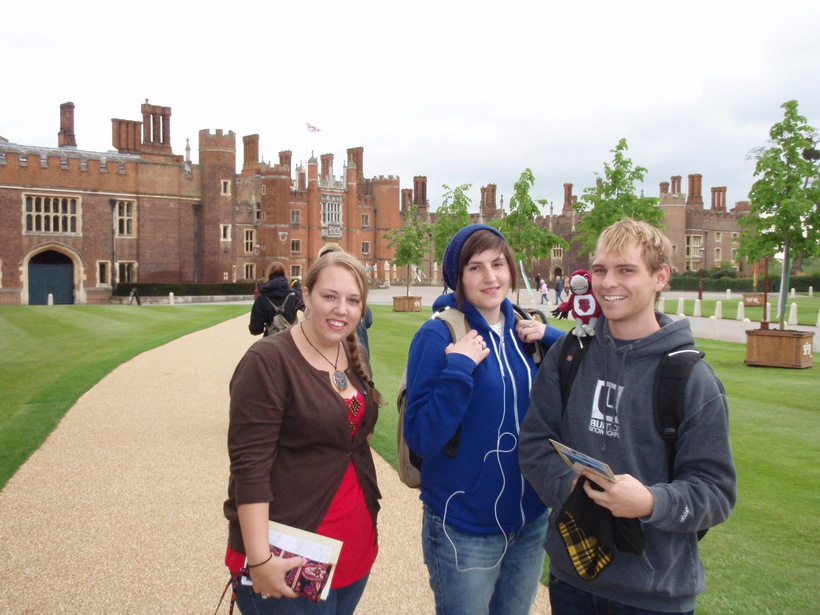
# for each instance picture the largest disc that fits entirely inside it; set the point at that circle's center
(535, 349)
(458, 326)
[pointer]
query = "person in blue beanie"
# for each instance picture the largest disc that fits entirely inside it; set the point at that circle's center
(483, 524)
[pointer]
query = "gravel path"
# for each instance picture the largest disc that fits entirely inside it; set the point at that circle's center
(120, 510)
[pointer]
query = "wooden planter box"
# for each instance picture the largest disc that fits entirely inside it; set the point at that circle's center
(775, 348)
(407, 304)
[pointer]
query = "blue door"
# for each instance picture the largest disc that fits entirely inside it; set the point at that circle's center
(50, 273)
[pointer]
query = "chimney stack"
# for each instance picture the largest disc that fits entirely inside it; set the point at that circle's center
(694, 199)
(66, 137)
(251, 143)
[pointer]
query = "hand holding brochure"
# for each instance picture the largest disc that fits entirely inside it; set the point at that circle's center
(580, 462)
(322, 553)
(312, 579)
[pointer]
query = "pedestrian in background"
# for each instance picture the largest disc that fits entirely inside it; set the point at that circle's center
(559, 289)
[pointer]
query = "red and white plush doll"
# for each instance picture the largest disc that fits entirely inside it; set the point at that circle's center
(581, 304)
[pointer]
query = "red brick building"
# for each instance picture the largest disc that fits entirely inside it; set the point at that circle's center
(74, 223)
(686, 223)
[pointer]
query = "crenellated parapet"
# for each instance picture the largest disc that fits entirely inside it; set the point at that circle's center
(45, 160)
(218, 140)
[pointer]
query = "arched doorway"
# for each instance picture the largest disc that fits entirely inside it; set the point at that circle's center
(50, 272)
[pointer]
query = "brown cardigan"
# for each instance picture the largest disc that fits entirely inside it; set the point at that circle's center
(289, 441)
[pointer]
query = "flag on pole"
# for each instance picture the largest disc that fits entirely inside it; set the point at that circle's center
(312, 128)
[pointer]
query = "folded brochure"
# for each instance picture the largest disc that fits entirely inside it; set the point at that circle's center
(311, 580)
(580, 462)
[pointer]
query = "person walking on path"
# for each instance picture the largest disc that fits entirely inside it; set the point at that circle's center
(609, 416)
(559, 289)
(277, 292)
(544, 290)
(483, 524)
(299, 448)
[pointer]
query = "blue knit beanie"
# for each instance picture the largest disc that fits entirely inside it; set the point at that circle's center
(449, 268)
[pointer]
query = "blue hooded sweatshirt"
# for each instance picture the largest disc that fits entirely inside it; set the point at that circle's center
(480, 491)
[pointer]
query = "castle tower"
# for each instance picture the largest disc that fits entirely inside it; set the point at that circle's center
(674, 207)
(217, 160)
(488, 208)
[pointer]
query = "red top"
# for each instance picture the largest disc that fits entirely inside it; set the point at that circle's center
(347, 520)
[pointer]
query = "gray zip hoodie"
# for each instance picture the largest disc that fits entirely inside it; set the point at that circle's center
(609, 416)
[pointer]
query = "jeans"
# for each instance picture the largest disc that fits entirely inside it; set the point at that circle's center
(341, 601)
(566, 599)
(473, 575)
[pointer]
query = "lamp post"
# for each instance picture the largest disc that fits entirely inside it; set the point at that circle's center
(700, 275)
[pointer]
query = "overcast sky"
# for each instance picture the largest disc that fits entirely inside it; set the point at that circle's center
(463, 92)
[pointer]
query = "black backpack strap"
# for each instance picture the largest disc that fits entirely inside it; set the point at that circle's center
(572, 351)
(668, 395)
(668, 399)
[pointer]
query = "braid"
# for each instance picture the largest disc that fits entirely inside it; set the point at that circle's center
(353, 347)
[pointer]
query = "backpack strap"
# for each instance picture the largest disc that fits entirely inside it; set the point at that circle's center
(668, 395)
(668, 399)
(280, 309)
(572, 351)
(456, 322)
(458, 327)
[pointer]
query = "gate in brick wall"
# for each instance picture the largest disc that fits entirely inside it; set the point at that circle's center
(51, 273)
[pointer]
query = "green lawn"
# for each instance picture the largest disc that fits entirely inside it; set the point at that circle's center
(763, 560)
(808, 308)
(51, 355)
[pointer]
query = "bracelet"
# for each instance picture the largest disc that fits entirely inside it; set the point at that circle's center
(249, 566)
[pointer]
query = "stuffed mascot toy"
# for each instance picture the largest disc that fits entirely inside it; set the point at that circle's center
(581, 304)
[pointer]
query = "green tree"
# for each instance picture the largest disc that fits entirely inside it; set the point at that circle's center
(613, 198)
(784, 213)
(526, 238)
(452, 216)
(410, 243)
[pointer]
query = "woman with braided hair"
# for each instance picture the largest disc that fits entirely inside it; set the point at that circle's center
(303, 408)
